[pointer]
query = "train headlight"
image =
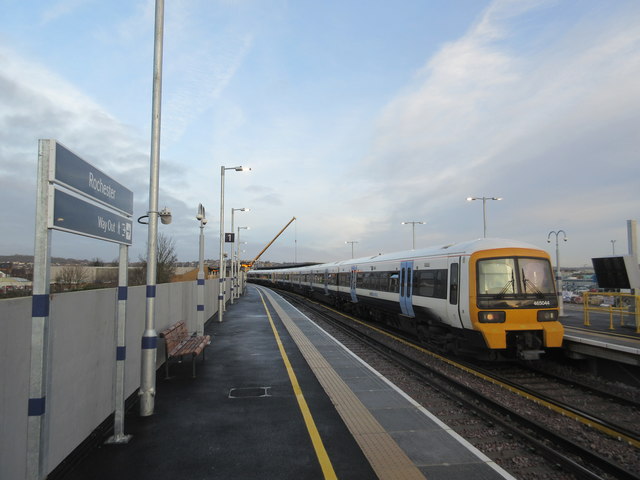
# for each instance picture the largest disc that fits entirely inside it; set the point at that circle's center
(491, 317)
(547, 315)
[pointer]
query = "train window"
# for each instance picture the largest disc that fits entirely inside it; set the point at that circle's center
(520, 275)
(393, 282)
(497, 276)
(535, 275)
(453, 284)
(430, 283)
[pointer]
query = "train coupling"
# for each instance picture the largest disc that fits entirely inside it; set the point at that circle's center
(530, 354)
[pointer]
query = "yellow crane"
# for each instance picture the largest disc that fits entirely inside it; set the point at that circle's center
(250, 264)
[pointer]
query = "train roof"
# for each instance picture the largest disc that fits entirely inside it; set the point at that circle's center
(462, 248)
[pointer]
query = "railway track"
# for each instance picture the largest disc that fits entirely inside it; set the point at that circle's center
(545, 425)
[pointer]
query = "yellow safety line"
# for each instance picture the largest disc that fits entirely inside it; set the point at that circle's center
(321, 453)
(550, 406)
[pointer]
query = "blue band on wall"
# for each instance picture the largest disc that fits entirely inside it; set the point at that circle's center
(40, 306)
(122, 293)
(151, 291)
(149, 343)
(200, 308)
(121, 353)
(201, 281)
(36, 407)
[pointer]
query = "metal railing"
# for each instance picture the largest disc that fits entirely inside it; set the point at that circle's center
(618, 305)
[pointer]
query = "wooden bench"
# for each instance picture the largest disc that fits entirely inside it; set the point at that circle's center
(179, 342)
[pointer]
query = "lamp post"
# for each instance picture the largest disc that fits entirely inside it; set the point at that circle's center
(200, 308)
(351, 242)
(558, 275)
(150, 337)
(413, 227)
(222, 271)
(238, 290)
(484, 210)
(233, 261)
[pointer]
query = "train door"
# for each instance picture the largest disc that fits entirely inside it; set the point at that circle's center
(406, 288)
(352, 283)
(453, 304)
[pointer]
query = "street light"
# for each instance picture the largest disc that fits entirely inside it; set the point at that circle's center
(222, 271)
(413, 227)
(150, 336)
(351, 242)
(613, 247)
(558, 275)
(233, 262)
(484, 210)
(238, 289)
(200, 308)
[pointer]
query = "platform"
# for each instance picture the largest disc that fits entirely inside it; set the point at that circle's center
(604, 337)
(279, 398)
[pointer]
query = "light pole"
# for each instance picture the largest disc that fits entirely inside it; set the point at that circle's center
(351, 242)
(413, 227)
(150, 337)
(238, 260)
(613, 247)
(200, 308)
(558, 275)
(484, 210)
(233, 262)
(222, 271)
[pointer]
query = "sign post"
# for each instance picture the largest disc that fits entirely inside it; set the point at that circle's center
(71, 196)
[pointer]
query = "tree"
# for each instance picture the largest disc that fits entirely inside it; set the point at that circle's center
(72, 275)
(166, 263)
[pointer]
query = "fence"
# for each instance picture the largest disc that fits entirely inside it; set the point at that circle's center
(619, 306)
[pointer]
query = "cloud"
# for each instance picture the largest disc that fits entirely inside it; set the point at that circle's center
(39, 104)
(62, 8)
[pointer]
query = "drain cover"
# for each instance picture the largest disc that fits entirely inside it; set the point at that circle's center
(249, 392)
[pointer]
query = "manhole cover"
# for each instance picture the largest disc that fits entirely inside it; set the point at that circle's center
(249, 392)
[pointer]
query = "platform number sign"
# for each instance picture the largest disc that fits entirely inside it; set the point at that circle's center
(229, 237)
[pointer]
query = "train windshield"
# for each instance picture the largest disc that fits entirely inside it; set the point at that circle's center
(515, 282)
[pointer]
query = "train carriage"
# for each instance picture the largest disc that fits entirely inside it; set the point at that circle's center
(487, 297)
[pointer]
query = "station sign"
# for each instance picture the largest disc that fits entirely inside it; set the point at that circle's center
(74, 173)
(75, 215)
(229, 237)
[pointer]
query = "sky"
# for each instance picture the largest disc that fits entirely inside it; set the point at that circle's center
(354, 116)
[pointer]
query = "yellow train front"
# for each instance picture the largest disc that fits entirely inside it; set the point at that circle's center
(513, 302)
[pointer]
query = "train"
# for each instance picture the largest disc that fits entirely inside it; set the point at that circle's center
(489, 298)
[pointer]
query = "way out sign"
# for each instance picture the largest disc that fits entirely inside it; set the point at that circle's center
(86, 201)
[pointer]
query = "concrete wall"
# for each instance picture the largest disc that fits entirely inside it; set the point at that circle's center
(82, 362)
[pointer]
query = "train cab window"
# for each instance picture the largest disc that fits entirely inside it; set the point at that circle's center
(453, 284)
(536, 276)
(497, 276)
(519, 275)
